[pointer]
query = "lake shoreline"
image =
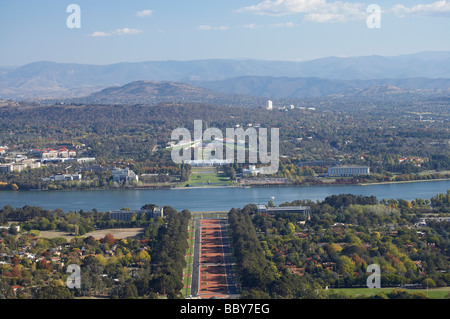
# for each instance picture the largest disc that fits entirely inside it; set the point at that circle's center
(168, 187)
(401, 182)
(211, 199)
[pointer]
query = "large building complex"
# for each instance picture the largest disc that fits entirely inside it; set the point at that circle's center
(306, 210)
(348, 170)
(126, 215)
(18, 167)
(124, 175)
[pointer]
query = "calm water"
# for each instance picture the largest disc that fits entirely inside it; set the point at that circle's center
(211, 199)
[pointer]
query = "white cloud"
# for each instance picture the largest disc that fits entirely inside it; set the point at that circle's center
(439, 8)
(283, 25)
(209, 27)
(321, 11)
(123, 31)
(251, 26)
(314, 10)
(127, 31)
(144, 13)
(100, 34)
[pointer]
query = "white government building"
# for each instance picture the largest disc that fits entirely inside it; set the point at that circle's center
(348, 170)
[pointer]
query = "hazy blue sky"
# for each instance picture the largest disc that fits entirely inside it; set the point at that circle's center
(137, 30)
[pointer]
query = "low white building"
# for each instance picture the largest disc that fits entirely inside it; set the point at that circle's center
(64, 177)
(16, 167)
(348, 170)
(17, 227)
(67, 177)
(252, 170)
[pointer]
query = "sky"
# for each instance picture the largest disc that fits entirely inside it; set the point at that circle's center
(112, 31)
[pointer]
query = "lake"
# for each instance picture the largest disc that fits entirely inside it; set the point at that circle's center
(211, 199)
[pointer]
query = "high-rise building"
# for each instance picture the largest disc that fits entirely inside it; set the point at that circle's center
(269, 105)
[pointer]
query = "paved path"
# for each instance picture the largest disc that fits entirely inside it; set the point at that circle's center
(227, 258)
(212, 273)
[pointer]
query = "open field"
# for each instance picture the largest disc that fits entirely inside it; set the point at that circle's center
(206, 176)
(436, 293)
(118, 233)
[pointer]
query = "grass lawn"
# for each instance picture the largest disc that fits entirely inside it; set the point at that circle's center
(189, 261)
(436, 293)
(206, 176)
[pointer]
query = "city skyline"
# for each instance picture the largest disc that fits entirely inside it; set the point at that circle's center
(255, 29)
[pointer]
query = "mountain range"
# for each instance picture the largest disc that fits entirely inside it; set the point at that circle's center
(232, 76)
(289, 87)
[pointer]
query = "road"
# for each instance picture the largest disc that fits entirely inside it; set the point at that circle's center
(226, 263)
(227, 258)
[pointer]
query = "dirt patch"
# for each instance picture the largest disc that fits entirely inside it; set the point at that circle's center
(118, 233)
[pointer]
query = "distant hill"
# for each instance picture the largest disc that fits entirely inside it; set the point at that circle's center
(287, 87)
(152, 92)
(254, 91)
(62, 80)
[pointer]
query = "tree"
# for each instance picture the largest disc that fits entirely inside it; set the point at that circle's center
(52, 293)
(109, 239)
(130, 291)
(144, 256)
(13, 230)
(290, 228)
(428, 283)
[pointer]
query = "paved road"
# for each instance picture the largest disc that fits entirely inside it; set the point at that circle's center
(227, 261)
(231, 284)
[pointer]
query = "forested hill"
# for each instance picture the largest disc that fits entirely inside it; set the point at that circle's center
(254, 91)
(152, 92)
(306, 87)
